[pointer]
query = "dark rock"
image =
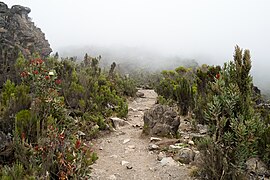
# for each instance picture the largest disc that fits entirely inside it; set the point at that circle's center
(18, 33)
(3, 7)
(256, 93)
(161, 121)
(256, 90)
(17, 9)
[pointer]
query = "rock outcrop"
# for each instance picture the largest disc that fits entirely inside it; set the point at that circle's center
(161, 121)
(18, 33)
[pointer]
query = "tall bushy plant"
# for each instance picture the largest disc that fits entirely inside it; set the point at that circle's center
(13, 98)
(44, 85)
(87, 89)
(184, 95)
(243, 78)
(178, 86)
(204, 76)
(235, 132)
(42, 147)
(166, 86)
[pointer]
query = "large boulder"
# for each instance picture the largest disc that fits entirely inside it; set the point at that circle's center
(161, 121)
(18, 34)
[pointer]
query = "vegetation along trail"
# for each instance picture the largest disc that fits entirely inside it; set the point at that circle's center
(124, 154)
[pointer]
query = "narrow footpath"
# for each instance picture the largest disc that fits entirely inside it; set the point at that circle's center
(124, 154)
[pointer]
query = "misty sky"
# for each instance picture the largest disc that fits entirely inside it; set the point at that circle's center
(206, 30)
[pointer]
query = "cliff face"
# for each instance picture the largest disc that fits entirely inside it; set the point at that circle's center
(18, 33)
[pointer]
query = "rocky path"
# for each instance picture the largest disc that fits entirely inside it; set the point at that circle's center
(124, 154)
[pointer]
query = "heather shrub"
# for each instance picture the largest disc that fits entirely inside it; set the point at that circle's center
(178, 86)
(13, 98)
(87, 89)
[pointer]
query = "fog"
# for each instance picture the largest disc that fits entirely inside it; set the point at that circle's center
(206, 31)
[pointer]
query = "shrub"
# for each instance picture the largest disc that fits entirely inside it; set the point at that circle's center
(63, 155)
(16, 171)
(53, 102)
(184, 96)
(178, 86)
(235, 127)
(13, 99)
(25, 125)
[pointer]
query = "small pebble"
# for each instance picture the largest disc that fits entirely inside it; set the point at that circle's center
(124, 162)
(126, 141)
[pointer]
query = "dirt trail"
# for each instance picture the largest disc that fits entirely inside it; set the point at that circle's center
(143, 164)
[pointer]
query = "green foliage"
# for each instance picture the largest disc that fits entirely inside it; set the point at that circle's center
(184, 96)
(223, 99)
(145, 79)
(21, 62)
(25, 125)
(164, 101)
(125, 86)
(87, 88)
(8, 93)
(243, 79)
(205, 75)
(14, 95)
(235, 132)
(166, 88)
(56, 155)
(181, 70)
(178, 86)
(98, 119)
(56, 99)
(16, 171)
(13, 99)
(53, 102)
(264, 145)
(111, 72)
